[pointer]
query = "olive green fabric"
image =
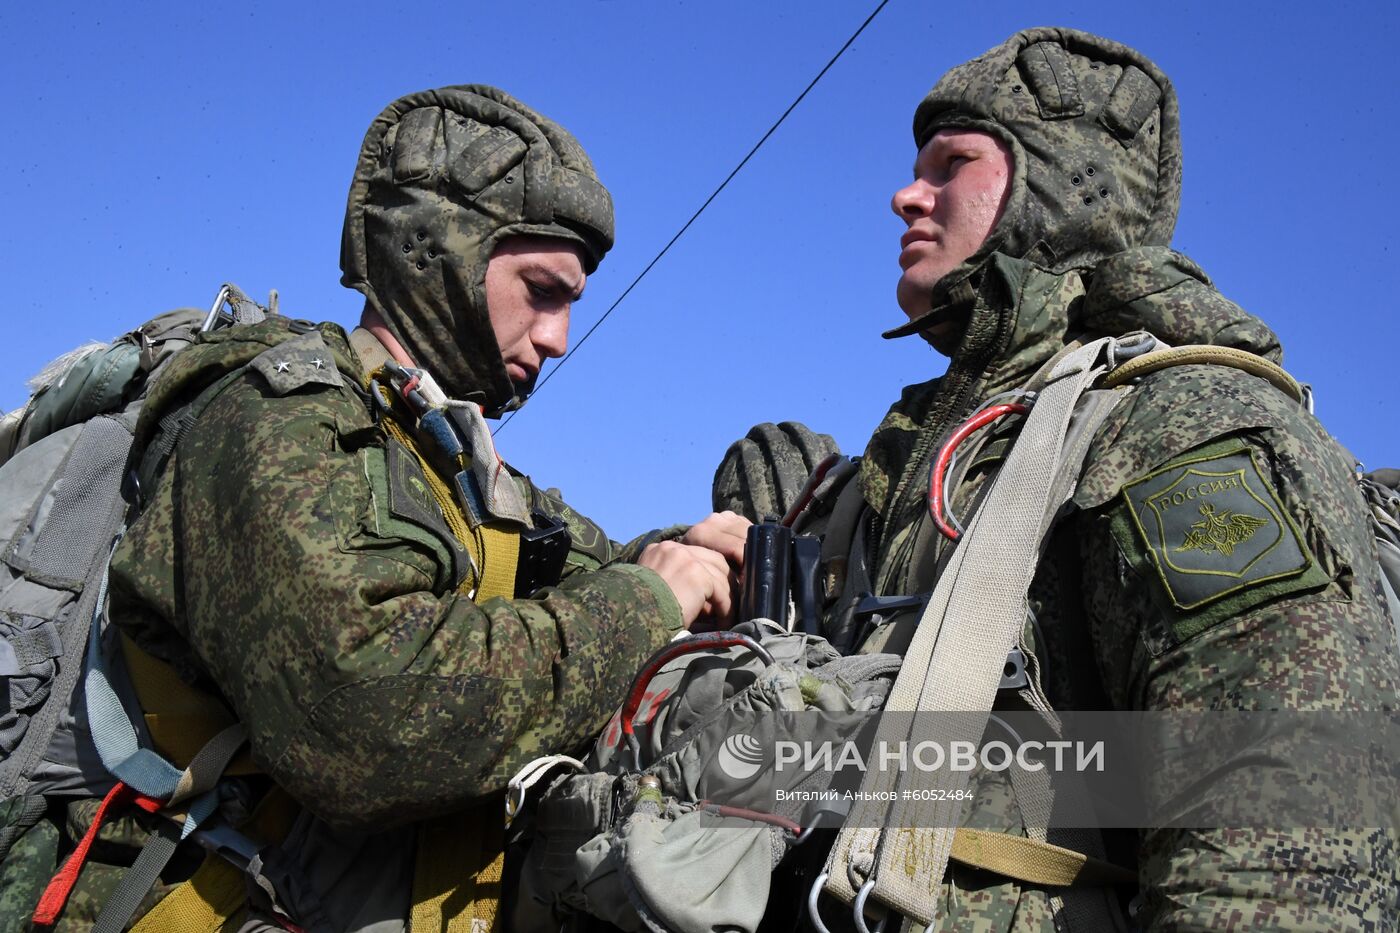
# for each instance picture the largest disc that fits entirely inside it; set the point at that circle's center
(278, 565)
(95, 378)
(443, 176)
(1213, 527)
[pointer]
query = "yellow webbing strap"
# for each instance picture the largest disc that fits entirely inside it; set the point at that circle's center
(457, 876)
(502, 548)
(212, 896)
(1208, 355)
(216, 892)
(180, 718)
(1033, 862)
(460, 858)
(494, 548)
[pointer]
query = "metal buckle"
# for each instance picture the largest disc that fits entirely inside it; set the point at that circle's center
(1013, 674)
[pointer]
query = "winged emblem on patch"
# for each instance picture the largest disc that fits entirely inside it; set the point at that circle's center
(1220, 532)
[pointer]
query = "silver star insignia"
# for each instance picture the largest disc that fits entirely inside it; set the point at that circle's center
(318, 362)
(283, 366)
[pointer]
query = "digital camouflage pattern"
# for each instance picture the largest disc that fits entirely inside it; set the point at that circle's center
(763, 473)
(443, 176)
(377, 694)
(289, 563)
(32, 861)
(1066, 261)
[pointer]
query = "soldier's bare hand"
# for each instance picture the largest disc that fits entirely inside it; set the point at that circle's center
(724, 533)
(700, 578)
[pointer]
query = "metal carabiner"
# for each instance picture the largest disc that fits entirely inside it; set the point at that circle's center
(213, 316)
(858, 910)
(813, 911)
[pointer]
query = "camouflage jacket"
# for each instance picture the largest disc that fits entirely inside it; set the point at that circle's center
(376, 695)
(1115, 633)
(288, 563)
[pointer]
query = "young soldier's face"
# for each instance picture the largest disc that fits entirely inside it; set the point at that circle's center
(531, 282)
(960, 182)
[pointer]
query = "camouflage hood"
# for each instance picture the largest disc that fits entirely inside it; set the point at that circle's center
(1150, 288)
(443, 177)
(1096, 154)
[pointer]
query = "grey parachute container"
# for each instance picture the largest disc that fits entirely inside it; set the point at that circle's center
(654, 832)
(64, 455)
(63, 461)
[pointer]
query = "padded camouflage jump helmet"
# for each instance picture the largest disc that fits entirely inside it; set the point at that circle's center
(1093, 131)
(443, 176)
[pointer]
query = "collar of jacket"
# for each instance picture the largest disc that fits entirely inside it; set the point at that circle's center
(1019, 315)
(1036, 312)
(371, 351)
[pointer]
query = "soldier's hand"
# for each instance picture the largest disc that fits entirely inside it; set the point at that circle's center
(700, 578)
(723, 533)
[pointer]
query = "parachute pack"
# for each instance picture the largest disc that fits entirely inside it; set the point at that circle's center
(65, 487)
(652, 832)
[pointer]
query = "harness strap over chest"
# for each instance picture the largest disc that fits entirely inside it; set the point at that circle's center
(956, 658)
(461, 857)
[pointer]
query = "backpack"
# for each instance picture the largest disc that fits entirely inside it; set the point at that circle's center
(66, 489)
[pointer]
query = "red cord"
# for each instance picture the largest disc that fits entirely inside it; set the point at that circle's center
(940, 465)
(757, 816)
(56, 894)
(809, 490)
(701, 642)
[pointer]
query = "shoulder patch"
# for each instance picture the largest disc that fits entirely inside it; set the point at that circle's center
(411, 501)
(303, 360)
(1214, 526)
(409, 495)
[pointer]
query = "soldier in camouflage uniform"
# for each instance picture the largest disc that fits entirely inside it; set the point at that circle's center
(1044, 197)
(301, 556)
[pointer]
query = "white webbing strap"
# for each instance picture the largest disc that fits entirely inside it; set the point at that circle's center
(955, 661)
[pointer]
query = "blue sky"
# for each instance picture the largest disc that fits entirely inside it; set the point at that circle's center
(159, 149)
